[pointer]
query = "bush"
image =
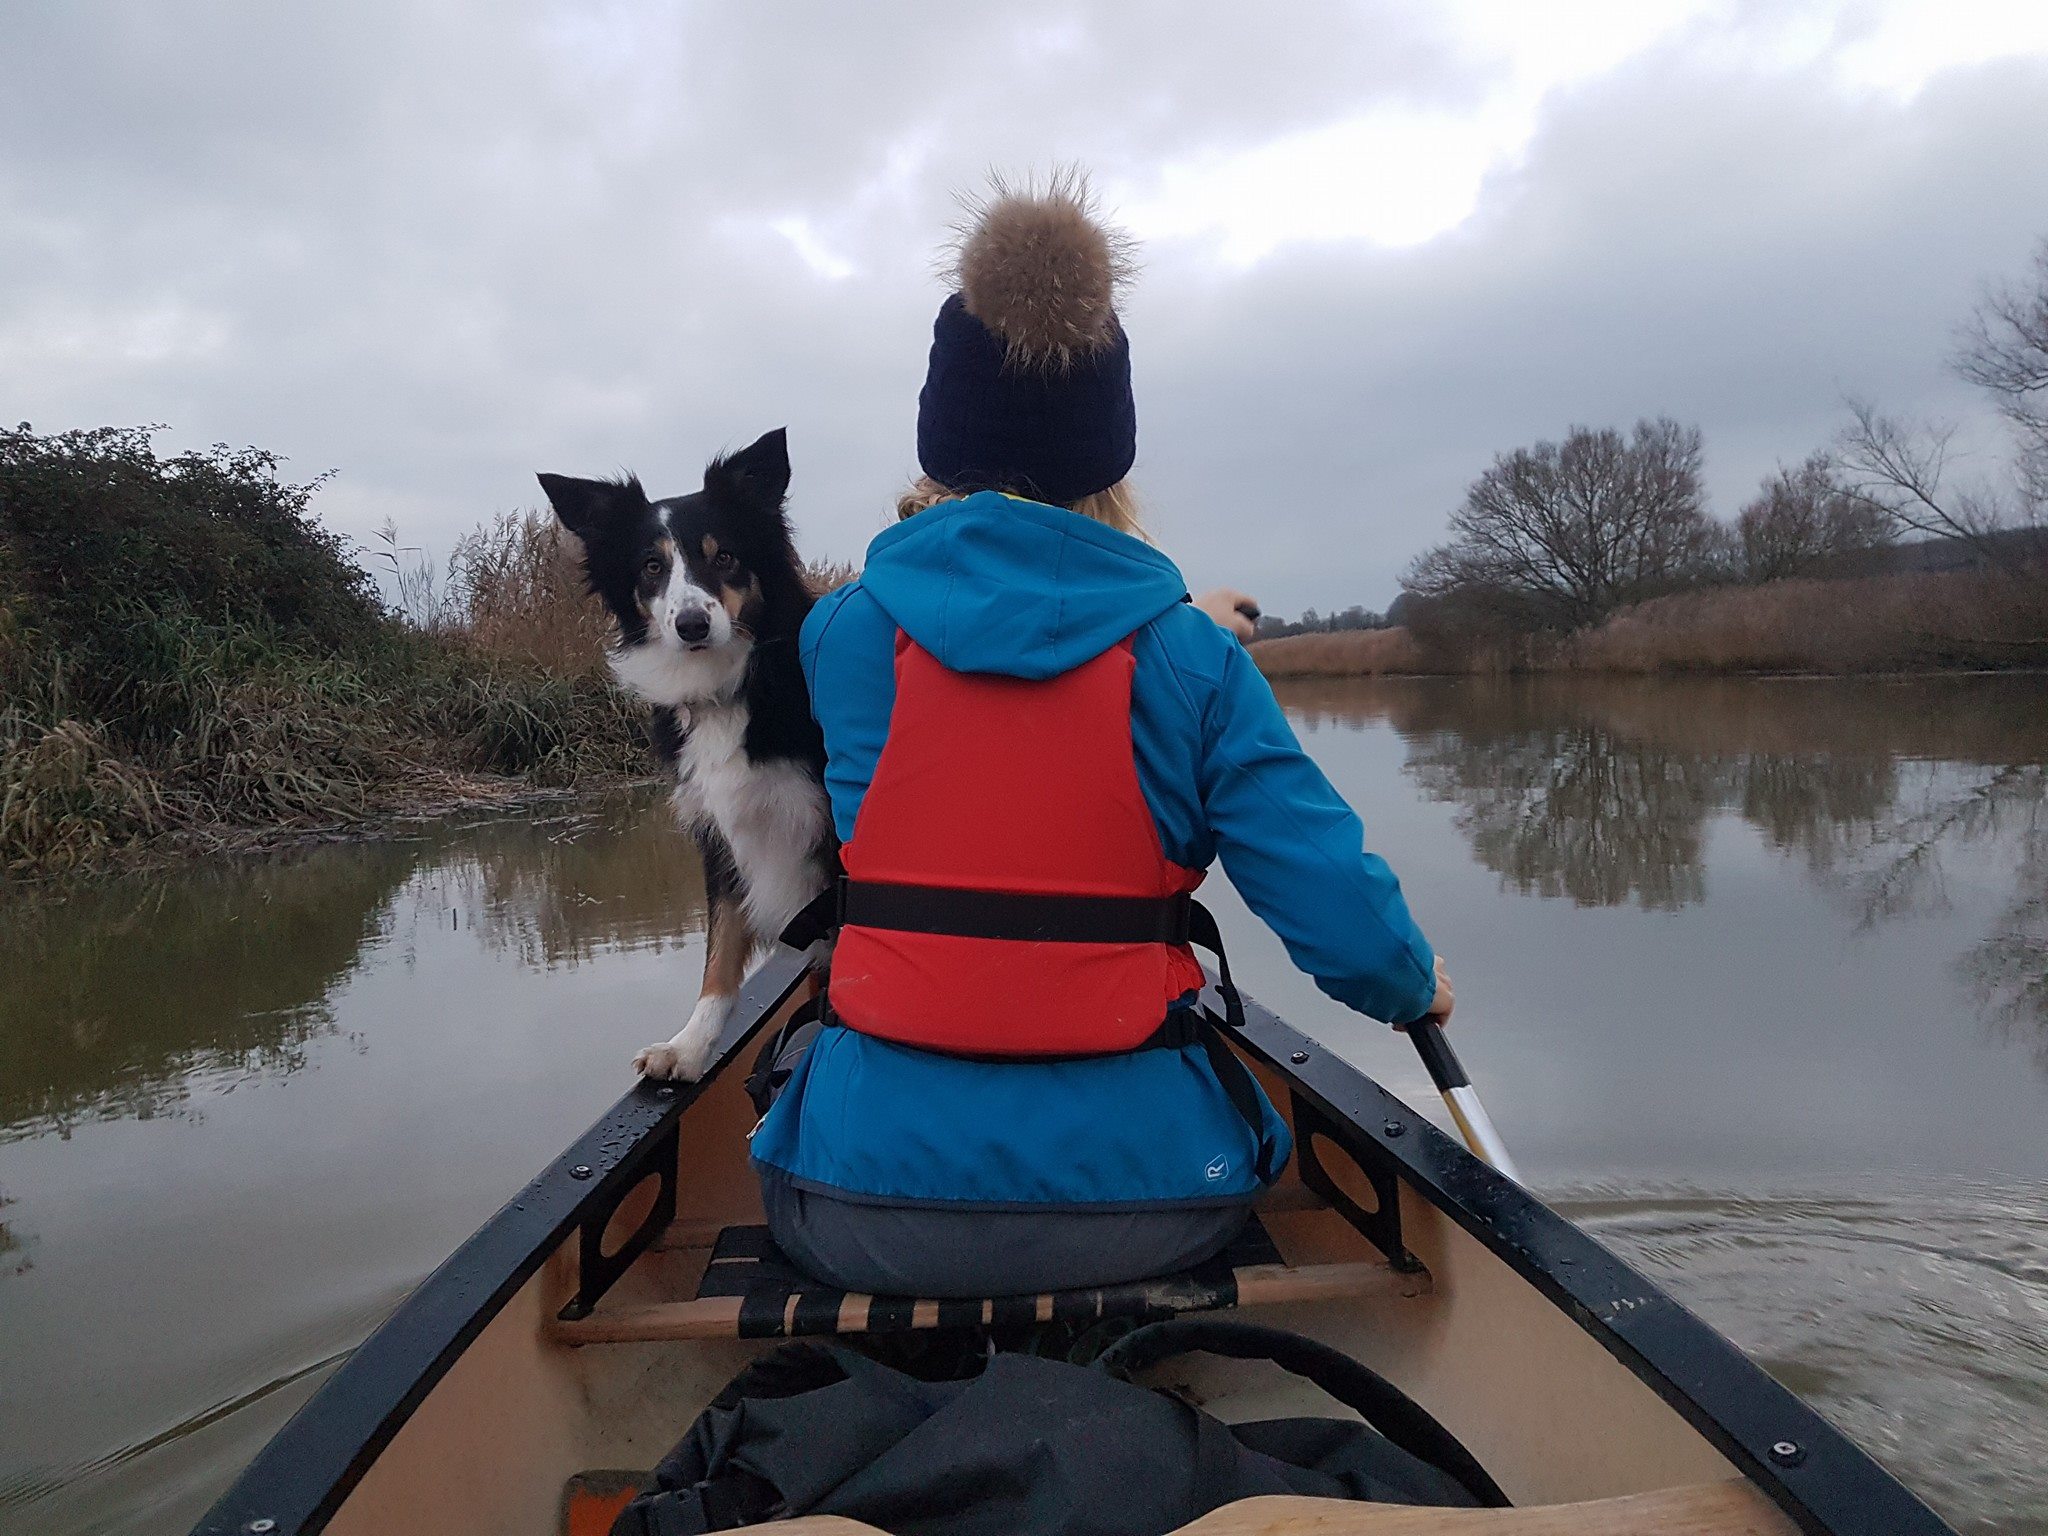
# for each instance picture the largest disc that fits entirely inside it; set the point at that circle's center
(97, 530)
(184, 649)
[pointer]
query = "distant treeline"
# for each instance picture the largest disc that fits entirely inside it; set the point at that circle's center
(185, 651)
(1313, 623)
(1557, 540)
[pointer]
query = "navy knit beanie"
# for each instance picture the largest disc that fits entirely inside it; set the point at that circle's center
(1029, 385)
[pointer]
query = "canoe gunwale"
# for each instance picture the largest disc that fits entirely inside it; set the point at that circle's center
(1828, 1485)
(304, 1473)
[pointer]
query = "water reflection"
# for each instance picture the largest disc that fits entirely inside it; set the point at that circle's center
(1564, 808)
(2008, 972)
(120, 996)
(1604, 793)
(571, 891)
(245, 1107)
(116, 994)
(14, 1246)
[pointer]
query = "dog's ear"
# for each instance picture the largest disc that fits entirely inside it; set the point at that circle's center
(758, 473)
(586, 507)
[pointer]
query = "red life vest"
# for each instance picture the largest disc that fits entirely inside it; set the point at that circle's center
(1007, 790)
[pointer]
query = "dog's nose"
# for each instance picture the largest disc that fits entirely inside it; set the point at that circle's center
(693, 628)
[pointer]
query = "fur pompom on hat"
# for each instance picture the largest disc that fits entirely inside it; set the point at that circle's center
(1029, 385)
(1041, 271)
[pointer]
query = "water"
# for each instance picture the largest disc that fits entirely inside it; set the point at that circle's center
(1754, 977)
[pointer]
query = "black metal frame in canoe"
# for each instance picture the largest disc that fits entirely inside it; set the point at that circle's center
(1821, 1480)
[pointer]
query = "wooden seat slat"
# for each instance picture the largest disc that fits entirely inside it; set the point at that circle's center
(718, 1317)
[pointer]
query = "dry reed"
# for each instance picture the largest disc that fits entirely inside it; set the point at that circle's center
(824, 576)
(1950, 619)
(1861, 624)
(1343, 653)
(516, 593)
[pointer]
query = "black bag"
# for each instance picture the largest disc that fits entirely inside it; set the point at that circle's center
(1035, 1447)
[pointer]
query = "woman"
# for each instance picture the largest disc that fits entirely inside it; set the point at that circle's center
(1036, 745)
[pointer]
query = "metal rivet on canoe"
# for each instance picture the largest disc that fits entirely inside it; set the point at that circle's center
(1393, 1127)
(1298, 1057)
(1788, 1453)
(580, 1171)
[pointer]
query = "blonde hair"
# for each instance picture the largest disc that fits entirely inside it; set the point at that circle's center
(1116, 507)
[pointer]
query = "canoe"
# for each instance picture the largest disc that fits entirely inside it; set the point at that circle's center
(583, 1328)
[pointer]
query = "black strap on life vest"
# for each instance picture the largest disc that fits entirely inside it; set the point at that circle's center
(769, 1075)
(1006, 915)
(1039, 919)
(972, 914)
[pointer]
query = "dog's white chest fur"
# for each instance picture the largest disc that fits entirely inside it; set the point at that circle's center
(773, 815)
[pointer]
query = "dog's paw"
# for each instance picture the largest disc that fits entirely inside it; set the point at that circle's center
(679, 1060)
(686, 1057)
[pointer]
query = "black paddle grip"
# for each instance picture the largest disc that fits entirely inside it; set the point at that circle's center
(1445, 1070)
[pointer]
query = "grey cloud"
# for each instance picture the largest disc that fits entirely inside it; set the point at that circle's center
(1731, 252)
(438, 248)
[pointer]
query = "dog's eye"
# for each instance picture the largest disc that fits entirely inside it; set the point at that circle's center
(653, 565)
(725, 560)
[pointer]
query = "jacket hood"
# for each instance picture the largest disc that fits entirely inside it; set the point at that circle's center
(992, 583)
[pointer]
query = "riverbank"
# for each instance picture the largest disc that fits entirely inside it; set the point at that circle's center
(190, 663)
(276, 757)
(426, 798)
(1936, 621)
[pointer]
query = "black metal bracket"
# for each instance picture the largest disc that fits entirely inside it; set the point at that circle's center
(596, 1271)
(1381, 1228)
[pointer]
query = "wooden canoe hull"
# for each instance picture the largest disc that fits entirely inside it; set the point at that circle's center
(553, 1342)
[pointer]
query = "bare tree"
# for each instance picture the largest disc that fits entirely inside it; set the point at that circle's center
(1803, 521)
(1901, 468)
(2005, 351)
(1560, 535)
(1357, 616)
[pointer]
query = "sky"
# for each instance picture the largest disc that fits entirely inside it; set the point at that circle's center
(437, 248)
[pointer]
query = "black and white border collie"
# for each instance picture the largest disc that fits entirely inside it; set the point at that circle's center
(708, 596)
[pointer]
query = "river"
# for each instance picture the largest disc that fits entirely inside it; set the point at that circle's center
(1753, 975)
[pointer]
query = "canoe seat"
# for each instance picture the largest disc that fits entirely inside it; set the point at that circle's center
(748, 1289)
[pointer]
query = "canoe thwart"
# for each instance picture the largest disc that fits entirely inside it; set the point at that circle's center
(750, 1290)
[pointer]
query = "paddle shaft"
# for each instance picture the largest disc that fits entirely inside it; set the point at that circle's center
(1448, 1073)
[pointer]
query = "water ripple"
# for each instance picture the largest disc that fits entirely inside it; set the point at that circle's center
(1914, 1315)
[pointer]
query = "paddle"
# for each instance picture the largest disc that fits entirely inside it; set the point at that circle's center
(1448, 1073)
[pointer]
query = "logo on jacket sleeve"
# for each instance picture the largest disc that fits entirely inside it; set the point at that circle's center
(1217, 1169)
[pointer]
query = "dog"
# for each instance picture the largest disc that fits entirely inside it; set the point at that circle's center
(708, 597)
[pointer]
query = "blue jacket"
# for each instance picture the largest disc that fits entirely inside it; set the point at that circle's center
(994, 584)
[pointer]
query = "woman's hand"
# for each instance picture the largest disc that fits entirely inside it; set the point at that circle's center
(1232, 609)
(1440, 1006)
